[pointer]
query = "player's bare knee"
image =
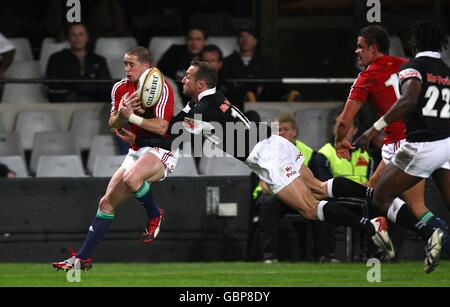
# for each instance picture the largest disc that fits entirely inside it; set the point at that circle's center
(105, 205)
(132, 181)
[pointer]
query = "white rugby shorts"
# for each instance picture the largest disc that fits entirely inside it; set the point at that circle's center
(421, 159)
(168, 158)
(388, 151)
(276, 161)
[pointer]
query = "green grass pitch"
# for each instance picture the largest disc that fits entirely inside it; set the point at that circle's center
(226, 274)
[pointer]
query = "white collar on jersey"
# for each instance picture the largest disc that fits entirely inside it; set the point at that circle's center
(211, 91)
(431, 54)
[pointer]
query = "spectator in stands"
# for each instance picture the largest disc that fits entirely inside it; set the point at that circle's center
(272, 209)
(78, 63)
(6, 172)
(177, 59)
(247, 63)
(214, 56)
(328, 165)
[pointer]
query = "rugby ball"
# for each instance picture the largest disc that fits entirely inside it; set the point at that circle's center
(151, 86)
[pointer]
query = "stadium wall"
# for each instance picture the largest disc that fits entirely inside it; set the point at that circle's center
(41, 217)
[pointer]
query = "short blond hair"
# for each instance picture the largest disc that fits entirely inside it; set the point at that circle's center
(286, 117)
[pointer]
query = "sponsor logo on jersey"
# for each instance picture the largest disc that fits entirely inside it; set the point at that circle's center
(438, 79)
(224, 106)
(289, 171)
(190, 123)
(409, 73)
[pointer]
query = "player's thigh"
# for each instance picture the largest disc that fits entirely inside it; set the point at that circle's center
(317, 187)
(298, 196)
(392, 184)
(147, 167)
(442, 178)
(376, 175)
(116, 192)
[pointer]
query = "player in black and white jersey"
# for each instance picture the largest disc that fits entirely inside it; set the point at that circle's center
(425, 106)
(273, 158)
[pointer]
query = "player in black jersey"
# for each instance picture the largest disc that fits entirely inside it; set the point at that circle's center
(273, 158)
(425, 106)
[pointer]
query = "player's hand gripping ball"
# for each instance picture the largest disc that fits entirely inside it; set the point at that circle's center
(151, 85)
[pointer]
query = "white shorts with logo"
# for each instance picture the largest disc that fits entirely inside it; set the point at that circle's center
(388, 150)
(421, 159)
(168, 158)
(276, 161)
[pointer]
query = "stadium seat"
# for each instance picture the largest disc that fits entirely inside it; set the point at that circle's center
(104, 145)
(30, 122)
(177, 101)
(10, 144)
(15, 163)
(159, 44)
(106, 166)
(23, 49)
(2, 123)
(185, 167)
(52, 143)
(315, 126)
(215, 162)
(116, 69)
(85, 126)
(113, 48)
(60, 166)
(24, 93)
(396, 47)
(228, 44)
(48, 47)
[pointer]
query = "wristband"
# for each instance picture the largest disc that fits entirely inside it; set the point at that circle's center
(380, 124)
(134, 119)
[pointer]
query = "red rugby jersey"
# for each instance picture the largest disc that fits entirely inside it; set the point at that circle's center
(376, 86)
(163, 109)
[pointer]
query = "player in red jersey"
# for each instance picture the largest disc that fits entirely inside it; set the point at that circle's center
(378, 84)
(141, 165)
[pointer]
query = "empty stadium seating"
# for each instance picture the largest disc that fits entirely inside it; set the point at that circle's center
(30, 122)
(52, 143)
(106, 165)
(85, 126)
(101, 145)
(60, 166)
(16, 163)
(23, 49)
(24, 93)
(113, 48)
(10, 144)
